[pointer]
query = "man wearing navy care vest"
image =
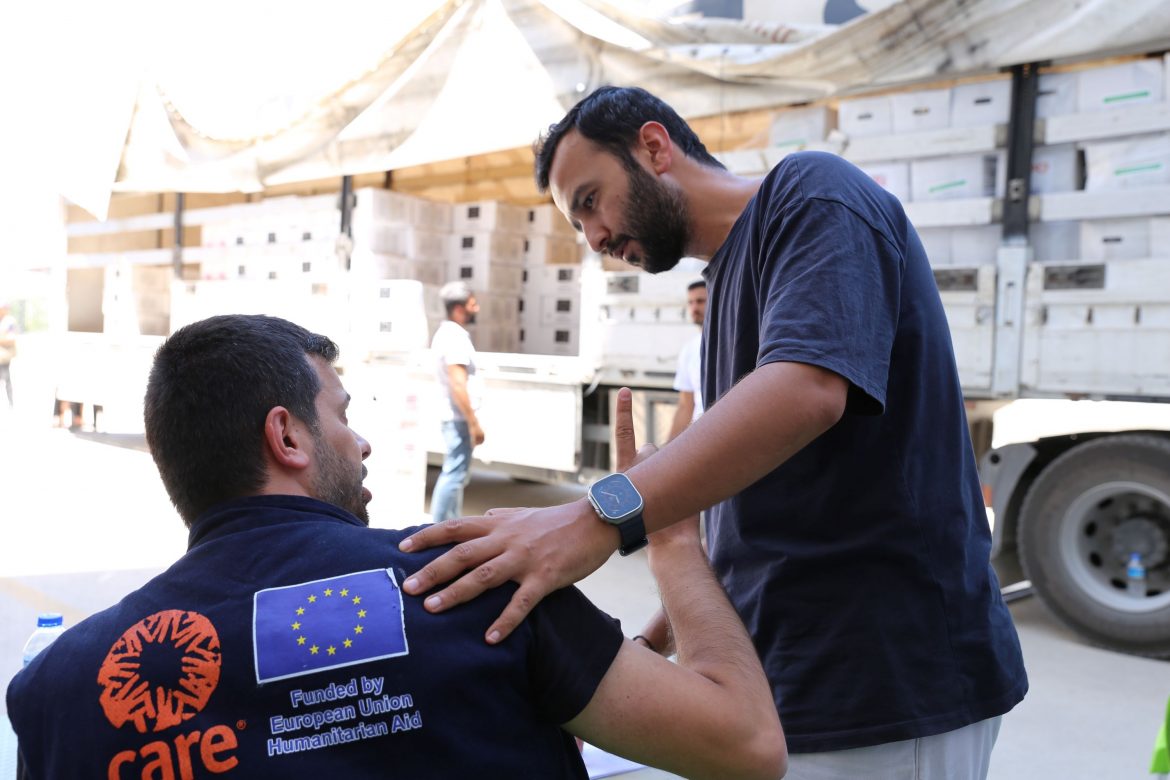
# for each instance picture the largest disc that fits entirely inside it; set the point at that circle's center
(846, 521)
(280, 645)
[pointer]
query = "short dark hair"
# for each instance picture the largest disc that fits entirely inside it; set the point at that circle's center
(210, 390)
(611, 117)
(697, 284)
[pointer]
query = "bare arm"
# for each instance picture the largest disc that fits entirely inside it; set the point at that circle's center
(760, 423)
(682, 414)
(457, 381)
(711, 715)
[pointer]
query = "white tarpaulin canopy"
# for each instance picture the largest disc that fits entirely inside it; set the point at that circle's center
(437, 80)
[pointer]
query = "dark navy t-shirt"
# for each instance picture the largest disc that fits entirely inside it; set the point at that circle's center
(861, 565)
(280, 646)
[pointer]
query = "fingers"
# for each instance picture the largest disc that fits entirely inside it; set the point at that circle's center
(527, 596)
(487, 572)
(623, 430)
(458, 529)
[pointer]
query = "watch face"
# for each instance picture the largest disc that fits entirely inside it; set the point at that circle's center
(616, 496)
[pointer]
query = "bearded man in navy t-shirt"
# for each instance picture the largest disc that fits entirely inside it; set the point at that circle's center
(846, 519)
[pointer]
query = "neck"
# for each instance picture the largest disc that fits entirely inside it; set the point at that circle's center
(716, 198)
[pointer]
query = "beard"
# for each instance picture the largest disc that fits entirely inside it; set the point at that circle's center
(335, 482)
(657, 218)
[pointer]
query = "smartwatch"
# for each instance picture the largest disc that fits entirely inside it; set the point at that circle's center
(619, 503)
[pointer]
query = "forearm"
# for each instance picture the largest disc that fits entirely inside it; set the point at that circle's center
(709, 639)
(462, 402)
(756, 426)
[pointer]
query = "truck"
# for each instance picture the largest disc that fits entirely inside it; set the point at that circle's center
(1042, 194)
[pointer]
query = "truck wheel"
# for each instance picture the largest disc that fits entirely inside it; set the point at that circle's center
(1082, 518)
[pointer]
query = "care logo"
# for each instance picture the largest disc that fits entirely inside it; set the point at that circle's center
(161, 672)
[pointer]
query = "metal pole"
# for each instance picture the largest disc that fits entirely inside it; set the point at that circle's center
(1021, 137)
(177, 246)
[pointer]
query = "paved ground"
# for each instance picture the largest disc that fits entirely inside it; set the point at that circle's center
(84, 520)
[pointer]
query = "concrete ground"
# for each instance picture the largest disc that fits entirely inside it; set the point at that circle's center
(84, 520)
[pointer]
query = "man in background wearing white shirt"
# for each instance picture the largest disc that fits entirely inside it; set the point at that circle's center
(455, 368)
(688, 378)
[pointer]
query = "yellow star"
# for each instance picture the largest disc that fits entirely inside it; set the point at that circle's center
(348, 643)
(361, 613)
(312, 599)
(329, 591)
(344, 591)
(332, 650)
(357, 599)
(296, 626)
(300, 610)
(300, 640)
(357, 629)
(313, 650)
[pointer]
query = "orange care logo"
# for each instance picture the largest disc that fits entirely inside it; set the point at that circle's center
(185, 641)
(159, 673)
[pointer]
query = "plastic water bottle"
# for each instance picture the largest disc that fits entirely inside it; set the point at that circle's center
(1135, 576)
(50, 625)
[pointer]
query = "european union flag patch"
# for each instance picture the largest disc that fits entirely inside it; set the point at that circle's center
(327, 624)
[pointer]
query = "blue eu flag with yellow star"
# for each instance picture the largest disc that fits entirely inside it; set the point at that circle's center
(327, 624)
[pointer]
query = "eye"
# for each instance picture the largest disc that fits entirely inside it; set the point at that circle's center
(588, 202)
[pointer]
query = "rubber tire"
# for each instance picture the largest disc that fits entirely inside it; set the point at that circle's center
(1131, 457)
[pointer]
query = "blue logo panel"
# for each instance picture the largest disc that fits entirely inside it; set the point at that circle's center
(327, 624)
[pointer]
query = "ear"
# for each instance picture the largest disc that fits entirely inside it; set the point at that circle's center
(286, 439)
(656, 144)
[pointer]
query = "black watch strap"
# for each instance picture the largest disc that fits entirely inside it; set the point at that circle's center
(633, 533)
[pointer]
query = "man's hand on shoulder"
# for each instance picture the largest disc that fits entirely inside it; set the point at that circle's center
(541, 549)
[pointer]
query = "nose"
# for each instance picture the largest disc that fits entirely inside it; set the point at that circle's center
(364, 446)
(596, 235)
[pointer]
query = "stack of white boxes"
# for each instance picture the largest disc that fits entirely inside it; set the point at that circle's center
(643, 320)
(487, 252)
(550, 309)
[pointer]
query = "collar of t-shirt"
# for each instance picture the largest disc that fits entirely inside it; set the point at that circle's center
(251, 512)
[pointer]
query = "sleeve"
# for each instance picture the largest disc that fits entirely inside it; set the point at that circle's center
(830, 289)
(574, 644)
(453, 348)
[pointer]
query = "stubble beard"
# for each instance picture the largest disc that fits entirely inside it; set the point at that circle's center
(657, 218)
(334, 482)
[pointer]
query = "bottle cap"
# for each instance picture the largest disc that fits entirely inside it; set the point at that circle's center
(49, 620)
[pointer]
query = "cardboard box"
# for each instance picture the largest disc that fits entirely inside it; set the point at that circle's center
(945, 178)
(1115, 239)
(1139, 161)
(376, 265)
(551, 250)
(926, 109)
(975, 245)
(546, 340)
(493, 245)
(560, 310)
(864, 117)
(1055, 169)
(490, 215)
(402, 240)
(983, 103)
(743, 162)
(547, 220)
(1118, 86)
(484, 275)
(375, 205)
(1055, 241)
(893, 177)
(1160, 237)
(937, 243)
(796, 128)
(495, 338)
(1057, 95)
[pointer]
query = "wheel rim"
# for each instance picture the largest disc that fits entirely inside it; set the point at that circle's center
(1095, 532)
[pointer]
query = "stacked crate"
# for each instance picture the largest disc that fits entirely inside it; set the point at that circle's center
(487, 252)
(550, 309)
